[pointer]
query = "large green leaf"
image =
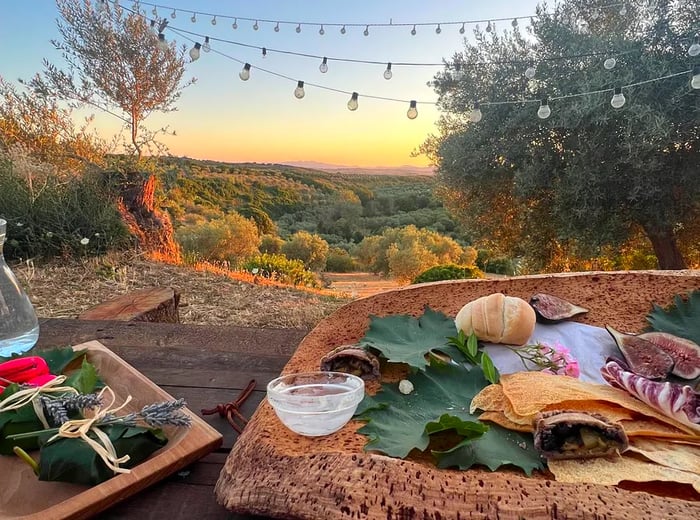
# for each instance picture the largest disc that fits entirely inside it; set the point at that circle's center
(84, 380)
(682, 318)
(497, 447)
(404, 339)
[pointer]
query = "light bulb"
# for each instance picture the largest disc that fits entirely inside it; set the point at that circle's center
(462, 30)
(235, 23)
(623, 10)
(173, 15)
(438, 30)
(162, 43)
(322, 31)
(194, 18)
(277, 27)
(213, 20)
(387, 73)
(610, 63)
(695, 80)
(154, 11)
(475, 115)
(618, 99)
(256, 26)
(413, 31)
(530, 72)
(206, 47)
(694, 49)
(244, 74)
(544, 111)
(299, 91)
(298, 29)
(412, 111)
(352, 104)
(342, 30)
(323, 67)
(366, 31)
(264, 52)
(194, 51)
(489, 27)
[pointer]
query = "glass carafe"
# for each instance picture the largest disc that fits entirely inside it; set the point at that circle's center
(19, 327)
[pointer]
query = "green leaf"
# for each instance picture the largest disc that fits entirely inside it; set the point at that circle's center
(469, 429)
(59, 358)
(489, 369)
(404, 339)
(84, 380)
(682, 318)
(496, 448)
(472, 344)
(397, 422)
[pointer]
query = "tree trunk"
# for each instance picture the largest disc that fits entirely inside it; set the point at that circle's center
(152, 227)
(665, 247)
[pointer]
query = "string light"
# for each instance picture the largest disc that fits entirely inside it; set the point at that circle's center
(244, 74)
(321, 31)
(623, 10)
(412, 112)
(264, 52)
(438, 30)
(234, 25)
(194, 18)
(343, 30)
(475, 115)
(695, 80)
(366, 31)
(173, 15)
(298, 29)
(530, 72)
(256, 26)
(323, 67)
(462, 29)
(544, 111)
(194, 51)
(413, 31)
(154, 11)
(277, 27)
(694, 48)
(618, 99)
(387, 73)
(514, 23)
(352, 104)
(489, 27)
(609, 63)
(213, 20)
(207, 46)
(299, 91)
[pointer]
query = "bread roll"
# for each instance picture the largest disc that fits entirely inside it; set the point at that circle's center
(497, 318)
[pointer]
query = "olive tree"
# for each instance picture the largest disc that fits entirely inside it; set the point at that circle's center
(589, 176)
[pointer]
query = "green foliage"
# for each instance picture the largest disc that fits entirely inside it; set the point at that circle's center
(589, 176)
(281, 269)
(448, 272)
(406, 252)
(500, 265)
(312, 250)
(232, 238)
(339, 261)
(49, 214)
(682, 318)
(271, 244)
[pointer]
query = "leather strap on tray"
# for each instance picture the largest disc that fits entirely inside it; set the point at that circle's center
(231, 411)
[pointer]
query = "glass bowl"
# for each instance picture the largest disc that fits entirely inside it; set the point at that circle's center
(315, 403)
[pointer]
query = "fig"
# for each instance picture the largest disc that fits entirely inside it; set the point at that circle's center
(551, 309)
(643, 357)
(685, 353)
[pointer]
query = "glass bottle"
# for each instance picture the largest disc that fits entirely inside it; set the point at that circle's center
(19, 326)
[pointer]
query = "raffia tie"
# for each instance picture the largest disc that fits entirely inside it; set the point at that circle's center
(30, 395)
(79, 428)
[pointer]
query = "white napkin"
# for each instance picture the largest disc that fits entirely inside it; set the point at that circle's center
(589, 345)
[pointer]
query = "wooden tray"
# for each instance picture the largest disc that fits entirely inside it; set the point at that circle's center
(23, 496)
(274, 472)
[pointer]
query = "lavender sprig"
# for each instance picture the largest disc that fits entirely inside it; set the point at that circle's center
(165, 414)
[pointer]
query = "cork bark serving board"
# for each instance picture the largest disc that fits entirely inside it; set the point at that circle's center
(272, 471)
(23, 496)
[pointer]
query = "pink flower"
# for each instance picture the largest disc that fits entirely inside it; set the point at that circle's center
(551, 359)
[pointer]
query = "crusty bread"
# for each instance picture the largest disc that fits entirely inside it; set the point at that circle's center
(497, 318)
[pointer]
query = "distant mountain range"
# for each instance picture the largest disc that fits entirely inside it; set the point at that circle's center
(361, 170)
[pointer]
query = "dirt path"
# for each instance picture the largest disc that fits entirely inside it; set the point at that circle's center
(359, 285)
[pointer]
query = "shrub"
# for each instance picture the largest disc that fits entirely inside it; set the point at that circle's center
(500, 265)
(448, 272)
(271, 244)
(49, 214)
(339, 261)
(311, 249)
(232, 238)
(282, 269)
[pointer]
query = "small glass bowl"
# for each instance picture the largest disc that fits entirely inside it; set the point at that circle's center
(315, 403)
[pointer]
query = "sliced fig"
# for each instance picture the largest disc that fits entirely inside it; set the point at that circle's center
(643, 357)
(352, 359)
(551, 309)
(685, 353)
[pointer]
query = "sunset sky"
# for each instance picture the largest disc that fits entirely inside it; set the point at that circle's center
(260, 120)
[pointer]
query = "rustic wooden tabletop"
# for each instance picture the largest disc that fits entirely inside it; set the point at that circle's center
(207, 366)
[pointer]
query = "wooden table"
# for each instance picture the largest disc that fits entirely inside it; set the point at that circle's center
(206, 365)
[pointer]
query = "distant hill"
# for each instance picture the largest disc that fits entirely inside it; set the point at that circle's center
(361, 170)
